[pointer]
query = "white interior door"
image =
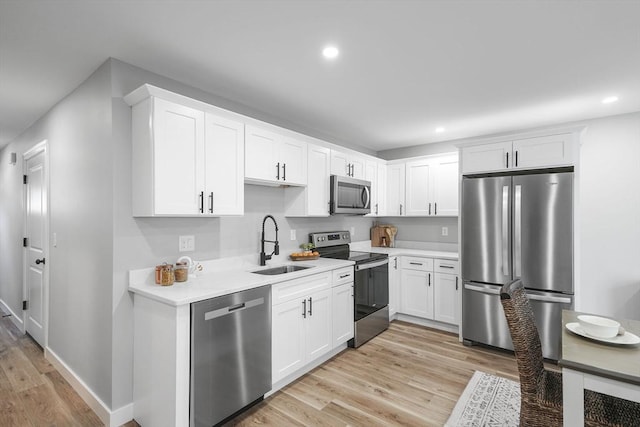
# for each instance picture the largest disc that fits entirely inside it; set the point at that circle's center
(35, 190)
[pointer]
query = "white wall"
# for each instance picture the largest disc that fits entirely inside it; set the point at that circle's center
(610, 217)
(78, 130)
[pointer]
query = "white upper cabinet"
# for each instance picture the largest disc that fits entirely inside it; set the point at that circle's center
(446, 185)
(432, 186)
(375, 172)
(347, 164)
(312, 200)
(273, 159)
(395, 189)
(542, 151)
(176, 161)
(419, 188)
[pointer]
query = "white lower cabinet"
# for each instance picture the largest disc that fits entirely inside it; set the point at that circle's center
(342, 313)
(430, 289)
(394, 285)
(310, 317)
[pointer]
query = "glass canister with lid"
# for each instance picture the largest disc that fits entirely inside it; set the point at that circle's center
(165, 274)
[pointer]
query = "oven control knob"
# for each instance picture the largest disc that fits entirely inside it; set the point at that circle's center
(344, 236)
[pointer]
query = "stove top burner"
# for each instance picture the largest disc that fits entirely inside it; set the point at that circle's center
(336, 245)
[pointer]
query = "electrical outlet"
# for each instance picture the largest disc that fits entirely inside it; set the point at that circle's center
(445, 231)
(292, 234)
(353, 232)
(186, 243)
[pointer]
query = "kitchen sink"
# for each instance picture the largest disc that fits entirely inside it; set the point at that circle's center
(283, 269)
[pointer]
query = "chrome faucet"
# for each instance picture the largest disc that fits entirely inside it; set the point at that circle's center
(276, 249)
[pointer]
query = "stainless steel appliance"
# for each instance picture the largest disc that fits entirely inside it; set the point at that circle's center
(230, 354)
(349, 196)
(517, 226)
(371, 283)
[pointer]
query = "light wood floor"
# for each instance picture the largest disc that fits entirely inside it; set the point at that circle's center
(409, 375)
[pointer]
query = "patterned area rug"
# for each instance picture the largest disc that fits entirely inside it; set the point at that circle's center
(487, 401)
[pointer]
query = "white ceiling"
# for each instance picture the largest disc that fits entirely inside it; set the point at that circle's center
(405, 67)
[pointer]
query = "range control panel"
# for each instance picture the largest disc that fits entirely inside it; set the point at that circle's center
(332, 238)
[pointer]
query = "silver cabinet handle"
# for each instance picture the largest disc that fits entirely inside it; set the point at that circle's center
(435, 208)
(400, 208)
(211, 202)
(429, 208)
(304, 308)
(278, 171)
(284, 171)
(310, 306)
(505, 231)
(517, 223)
(456, 283)
(446, 266)
(516, 158)
(507, 160)
(395, 266)
(202, 202)
(415, 263)
(429, 276)
(376, 209)
(345, 275)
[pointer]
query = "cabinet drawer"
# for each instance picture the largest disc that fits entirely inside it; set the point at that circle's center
(299, 288)
(342, 275)
(417, 263)
(446, 266)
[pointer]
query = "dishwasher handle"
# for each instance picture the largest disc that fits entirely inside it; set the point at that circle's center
(236, 308)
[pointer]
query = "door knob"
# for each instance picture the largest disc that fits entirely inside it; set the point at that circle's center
(40, 261)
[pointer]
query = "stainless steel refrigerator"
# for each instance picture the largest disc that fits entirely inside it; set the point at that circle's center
(517, 226)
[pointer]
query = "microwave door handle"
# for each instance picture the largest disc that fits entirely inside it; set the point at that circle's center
(366, 193)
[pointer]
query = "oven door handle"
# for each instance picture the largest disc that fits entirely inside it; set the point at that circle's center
(371, 264)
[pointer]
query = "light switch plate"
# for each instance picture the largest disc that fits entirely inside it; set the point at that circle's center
(293, 235)
(186, 243)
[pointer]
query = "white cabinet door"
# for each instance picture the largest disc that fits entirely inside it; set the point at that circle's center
(549, 150)
(419, 199)
(416, 293)
(318, 324)
(319, 162)
(178, 141)
(224, 166)
(347, 164)
(357, 167)
(394, 285)
(340, 164)
(293, 162)
(487, 157)
(445, 186)
(395, 189)
(381, 205)
(288, 338)
(343, 323)
(371, 174)
(261, 154)
(446, 296)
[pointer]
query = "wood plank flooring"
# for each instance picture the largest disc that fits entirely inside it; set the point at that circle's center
(409, 375)
(32, 392)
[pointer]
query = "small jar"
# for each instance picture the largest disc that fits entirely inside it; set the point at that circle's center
(181, 271)
(164, 274)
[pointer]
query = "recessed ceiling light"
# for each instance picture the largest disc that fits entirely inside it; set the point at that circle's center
(330, 52)
(609, 99)
(439, 129)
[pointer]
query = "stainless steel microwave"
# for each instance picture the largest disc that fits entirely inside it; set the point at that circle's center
(349, 196)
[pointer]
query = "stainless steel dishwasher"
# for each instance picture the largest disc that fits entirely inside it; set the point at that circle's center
(230, 354)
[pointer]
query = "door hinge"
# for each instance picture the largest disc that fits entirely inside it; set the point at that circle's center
(25, 179)
(25, 305)
(25, 242)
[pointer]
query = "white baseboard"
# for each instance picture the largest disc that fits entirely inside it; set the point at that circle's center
(426, 322)
(17, 320)
(108, 417)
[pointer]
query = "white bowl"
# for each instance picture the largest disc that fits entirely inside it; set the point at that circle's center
(599, 327)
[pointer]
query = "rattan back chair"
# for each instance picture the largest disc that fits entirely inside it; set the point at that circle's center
(540, 388)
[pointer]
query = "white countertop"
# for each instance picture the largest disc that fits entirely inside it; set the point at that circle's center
(397, 251)
(222, 277)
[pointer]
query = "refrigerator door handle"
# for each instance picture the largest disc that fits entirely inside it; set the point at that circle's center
(490, 291)
(517, 224)
(505, 231)
(535, 297)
